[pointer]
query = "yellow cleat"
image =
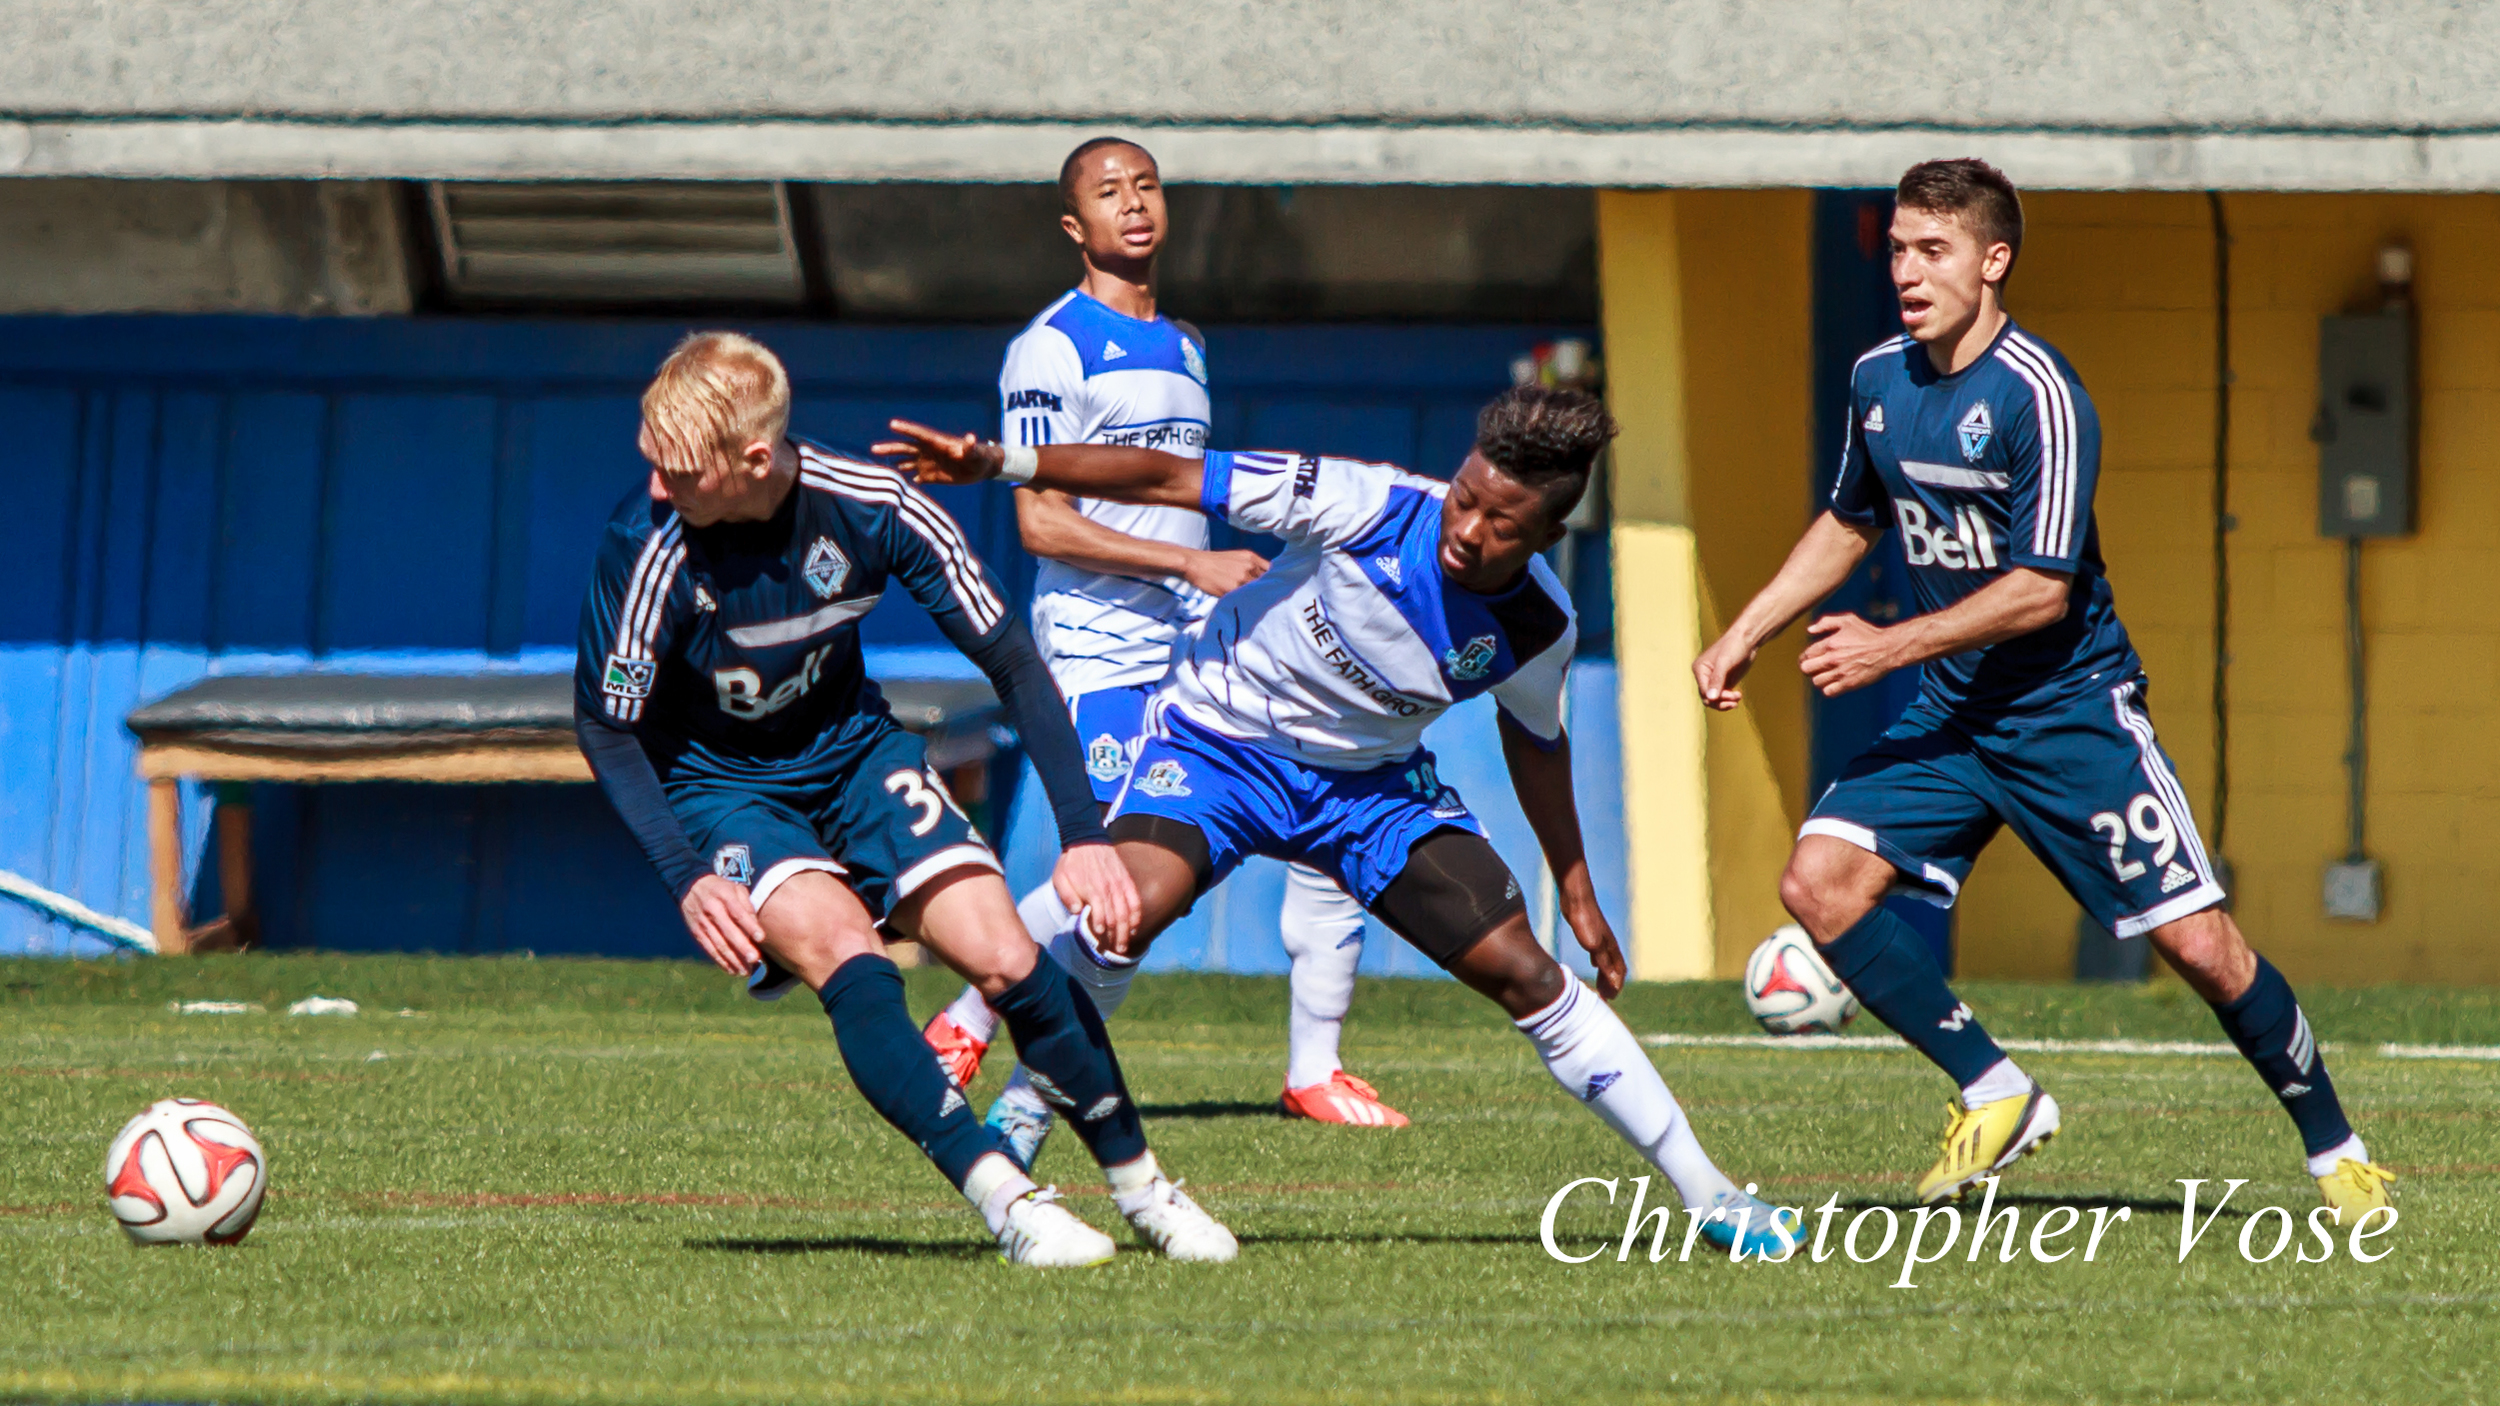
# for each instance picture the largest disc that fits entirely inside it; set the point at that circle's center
(2355, 1189)
(1986, 1139)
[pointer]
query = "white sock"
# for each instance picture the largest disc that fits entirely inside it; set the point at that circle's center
(974, 1015)
(1323, 930)
(1043, 916)
(1132, 1182)
(1594, 1057)
(2323, 1165)
(2003, 1079)
(1105, 978)
(992, 1186)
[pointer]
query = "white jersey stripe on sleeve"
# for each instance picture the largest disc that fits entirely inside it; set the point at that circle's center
(645, 605)
(2054, 412)
(876, 484)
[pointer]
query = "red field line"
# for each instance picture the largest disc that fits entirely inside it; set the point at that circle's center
(187, 1072)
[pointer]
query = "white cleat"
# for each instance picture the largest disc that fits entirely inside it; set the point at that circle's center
(1044, 1234)
(1181, 1228)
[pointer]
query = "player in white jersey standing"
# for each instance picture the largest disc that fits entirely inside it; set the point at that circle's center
(1120, 584)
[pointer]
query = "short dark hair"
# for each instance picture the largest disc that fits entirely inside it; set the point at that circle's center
(1068, 168)
(1547, 438)
(1971, 191)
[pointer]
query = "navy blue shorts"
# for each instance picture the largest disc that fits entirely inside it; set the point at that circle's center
(1354, 826)
(1111, 726)
(878, 818)
(2085, 786)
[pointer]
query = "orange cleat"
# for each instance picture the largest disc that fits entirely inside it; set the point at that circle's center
(1343, 1099)
(958, 1053)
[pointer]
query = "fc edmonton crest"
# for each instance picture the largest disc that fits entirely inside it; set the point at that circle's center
(827, 568)
(1164, 778)
(1469, 663)
(1975, 429)
(1193, 362)
(1106, 758)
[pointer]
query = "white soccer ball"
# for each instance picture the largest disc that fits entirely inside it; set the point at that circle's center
(185, 1172)
(1789, 989)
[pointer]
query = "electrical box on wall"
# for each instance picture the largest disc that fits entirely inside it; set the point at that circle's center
(2364, 426)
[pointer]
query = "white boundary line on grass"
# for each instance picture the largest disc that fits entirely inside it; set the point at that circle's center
(2113, 1047)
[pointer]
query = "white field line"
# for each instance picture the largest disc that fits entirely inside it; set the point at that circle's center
(2110, 1047)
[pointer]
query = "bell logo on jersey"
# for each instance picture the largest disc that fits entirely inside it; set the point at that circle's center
(1975, 429)
(827, 568)
(1964, 545)
(1192, 362)
(1106, 759)
(736, 863)
(1472, 662)
(628, 678)
(742, 692)
(1874, 422)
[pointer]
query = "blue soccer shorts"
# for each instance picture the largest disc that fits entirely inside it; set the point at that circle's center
(1110, 726)
(875, 815)
(2085, 786)
(1354, 826)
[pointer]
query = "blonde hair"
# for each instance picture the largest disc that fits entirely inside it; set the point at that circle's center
(718, 391)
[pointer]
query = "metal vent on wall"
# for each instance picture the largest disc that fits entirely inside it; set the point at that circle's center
(617, 243)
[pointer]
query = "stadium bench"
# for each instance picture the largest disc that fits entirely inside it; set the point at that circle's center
(470, 729)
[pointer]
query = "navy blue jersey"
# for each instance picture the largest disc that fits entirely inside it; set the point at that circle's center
(1986, 470)
(737, 645)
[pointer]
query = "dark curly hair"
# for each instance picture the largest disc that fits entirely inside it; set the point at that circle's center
(1546, 438)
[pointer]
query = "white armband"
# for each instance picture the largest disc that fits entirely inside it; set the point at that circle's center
(1022, 462)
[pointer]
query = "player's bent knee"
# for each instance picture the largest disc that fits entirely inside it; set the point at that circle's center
(1507, 965)
(813, 923)
(1829, 884)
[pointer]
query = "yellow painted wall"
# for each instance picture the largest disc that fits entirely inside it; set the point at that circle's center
(2123, 285)
(1707, 323)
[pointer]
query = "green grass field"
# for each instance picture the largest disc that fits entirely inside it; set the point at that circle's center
(577, 1181)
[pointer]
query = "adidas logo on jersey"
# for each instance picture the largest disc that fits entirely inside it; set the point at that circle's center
(1112, 351)
(1965, 545)
(2175, 878)
(1874, 422)
(1392, 568)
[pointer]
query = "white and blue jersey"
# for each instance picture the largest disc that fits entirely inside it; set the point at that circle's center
(1083, 374)
(1292, 723)
(1353, 642)
(1982, 471)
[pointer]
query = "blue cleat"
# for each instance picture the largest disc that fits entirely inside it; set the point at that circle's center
(1760, 1223)
(1020, 1126)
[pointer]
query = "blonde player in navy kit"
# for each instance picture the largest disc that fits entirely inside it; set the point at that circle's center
(1975, 439)
(1119, 585)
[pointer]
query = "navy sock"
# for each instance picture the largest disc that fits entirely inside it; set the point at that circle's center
(2266, 1023)
(894, 1069)
(1067, 1054)
(1886, 963)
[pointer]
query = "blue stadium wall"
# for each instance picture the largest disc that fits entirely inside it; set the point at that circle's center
(198, 495)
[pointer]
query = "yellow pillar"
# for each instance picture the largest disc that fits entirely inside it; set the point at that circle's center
(1710, 800)
(1657, 589)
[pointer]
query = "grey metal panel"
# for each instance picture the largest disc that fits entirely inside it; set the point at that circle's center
(2108, 64)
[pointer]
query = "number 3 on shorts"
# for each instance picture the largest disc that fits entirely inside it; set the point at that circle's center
(2145, 817)
(924, 793)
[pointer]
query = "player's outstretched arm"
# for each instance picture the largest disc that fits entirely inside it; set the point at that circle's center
(1541, 775)
(1051, 527)
(1113, 472)
(1816, 567)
